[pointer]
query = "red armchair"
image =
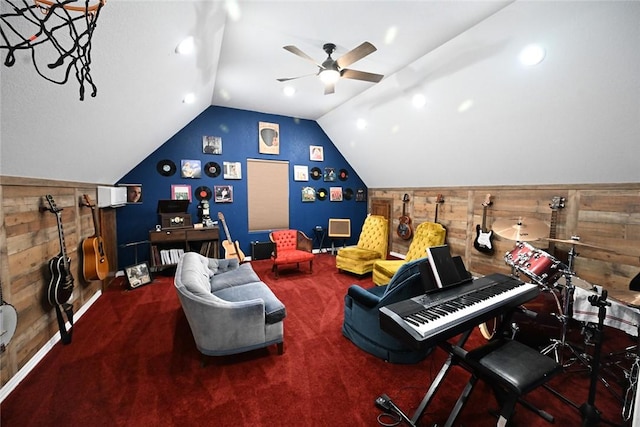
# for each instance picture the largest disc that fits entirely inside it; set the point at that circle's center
(291, 247)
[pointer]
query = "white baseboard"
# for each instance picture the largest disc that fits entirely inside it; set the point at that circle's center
(33, 362)
(397, 255)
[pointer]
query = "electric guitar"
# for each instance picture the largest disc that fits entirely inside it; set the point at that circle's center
(439, 200)
(404, 227)
(231, 248)
(8, 322)
(483, 242)
(94, 260)
(557, 203)
(61, 283)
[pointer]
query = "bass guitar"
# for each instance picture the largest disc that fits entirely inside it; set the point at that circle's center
(439, 201)
(404, 227)
(231, 248)
(61, 284)
(8, 322)
(94, 260)
(557, 203)
(484, 237)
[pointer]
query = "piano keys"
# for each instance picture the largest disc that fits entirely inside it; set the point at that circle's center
(441, 314)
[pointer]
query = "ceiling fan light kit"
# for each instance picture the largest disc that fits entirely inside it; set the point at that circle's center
(330, 71)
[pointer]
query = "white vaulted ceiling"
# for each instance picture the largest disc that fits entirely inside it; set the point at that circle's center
(574, 118)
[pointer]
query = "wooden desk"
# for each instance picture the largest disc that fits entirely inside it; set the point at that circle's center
(203, 240)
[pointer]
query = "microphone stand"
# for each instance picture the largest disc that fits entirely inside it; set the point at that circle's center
(591, 414)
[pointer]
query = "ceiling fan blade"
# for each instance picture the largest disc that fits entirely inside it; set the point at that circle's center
(329, 88)
(301, 54)
(355, 54)
(286, 79)
(361, 75)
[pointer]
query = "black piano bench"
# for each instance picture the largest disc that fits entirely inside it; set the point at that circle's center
(512, 369)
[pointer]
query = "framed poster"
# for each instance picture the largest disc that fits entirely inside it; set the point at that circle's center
(335, 194)
(329, 174)
(268, 138)
(232, 170)
(300, 173)
(190, 168)
(138, 275)
(181, 192)
(223, 193)
(316, 153)
(308, 194)
(212, 145)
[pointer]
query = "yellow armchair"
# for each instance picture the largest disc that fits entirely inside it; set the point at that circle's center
(372, 246)
(426, 235)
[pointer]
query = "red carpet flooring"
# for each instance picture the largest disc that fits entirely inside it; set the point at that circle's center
(133, 362)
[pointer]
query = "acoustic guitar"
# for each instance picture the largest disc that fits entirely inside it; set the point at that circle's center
(404, 227)
(8, 322)
(231, 248)
(61, 284)
(94, 260)
(484, 237)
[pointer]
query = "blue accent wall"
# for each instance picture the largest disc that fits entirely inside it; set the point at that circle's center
(239, 132)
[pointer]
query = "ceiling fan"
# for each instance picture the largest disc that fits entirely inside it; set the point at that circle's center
(331, 70)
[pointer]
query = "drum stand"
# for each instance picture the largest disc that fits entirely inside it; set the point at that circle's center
(558, 345)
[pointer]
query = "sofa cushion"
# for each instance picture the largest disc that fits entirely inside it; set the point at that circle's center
(274, 309)
(239, 276)
(356, 253)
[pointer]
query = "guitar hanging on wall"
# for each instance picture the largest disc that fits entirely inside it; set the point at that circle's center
(94, 260)
(439, 201)
(484, 237)
(60, 286)
(557, 203)
(8, 322)
(404, 227)
(231, 248)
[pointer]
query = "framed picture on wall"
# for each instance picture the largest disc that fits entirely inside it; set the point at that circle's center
(335, 194)
(223, 193)
(212, 145)
(316, 153)
(300, 173)
(134, 192)
(190, 168)
(268, 138)
(329, 174)
(308, 194)
(181, 192)
(232, 170)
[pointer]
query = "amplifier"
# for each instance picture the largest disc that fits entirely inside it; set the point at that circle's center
(261, 250)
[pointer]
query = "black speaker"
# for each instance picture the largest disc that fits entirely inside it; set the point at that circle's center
(261, 250)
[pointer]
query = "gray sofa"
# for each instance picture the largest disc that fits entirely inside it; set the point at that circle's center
(228, 308)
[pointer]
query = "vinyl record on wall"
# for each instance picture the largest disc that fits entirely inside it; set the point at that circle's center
(316, 173)
(321, 193)
(348, 194)
(343, 175)
(203, 193)
(166, 167)
(212, 169)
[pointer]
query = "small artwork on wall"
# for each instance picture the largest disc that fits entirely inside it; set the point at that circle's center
(232, 170)
(223, 193)
(316, 153)
(329, 174)
(361, 196)
(181, 192)
(134, 192)
(308, 194)
(190, 168)
(300, 173)
(268, 138)
(212, 145)
(335, 194)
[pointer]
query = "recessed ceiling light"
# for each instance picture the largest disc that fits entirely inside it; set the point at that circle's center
(289, 90)
(186, 46)
(418, 100)
(361, 124)
(532, 55)
(465, 105)
(189, 98)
